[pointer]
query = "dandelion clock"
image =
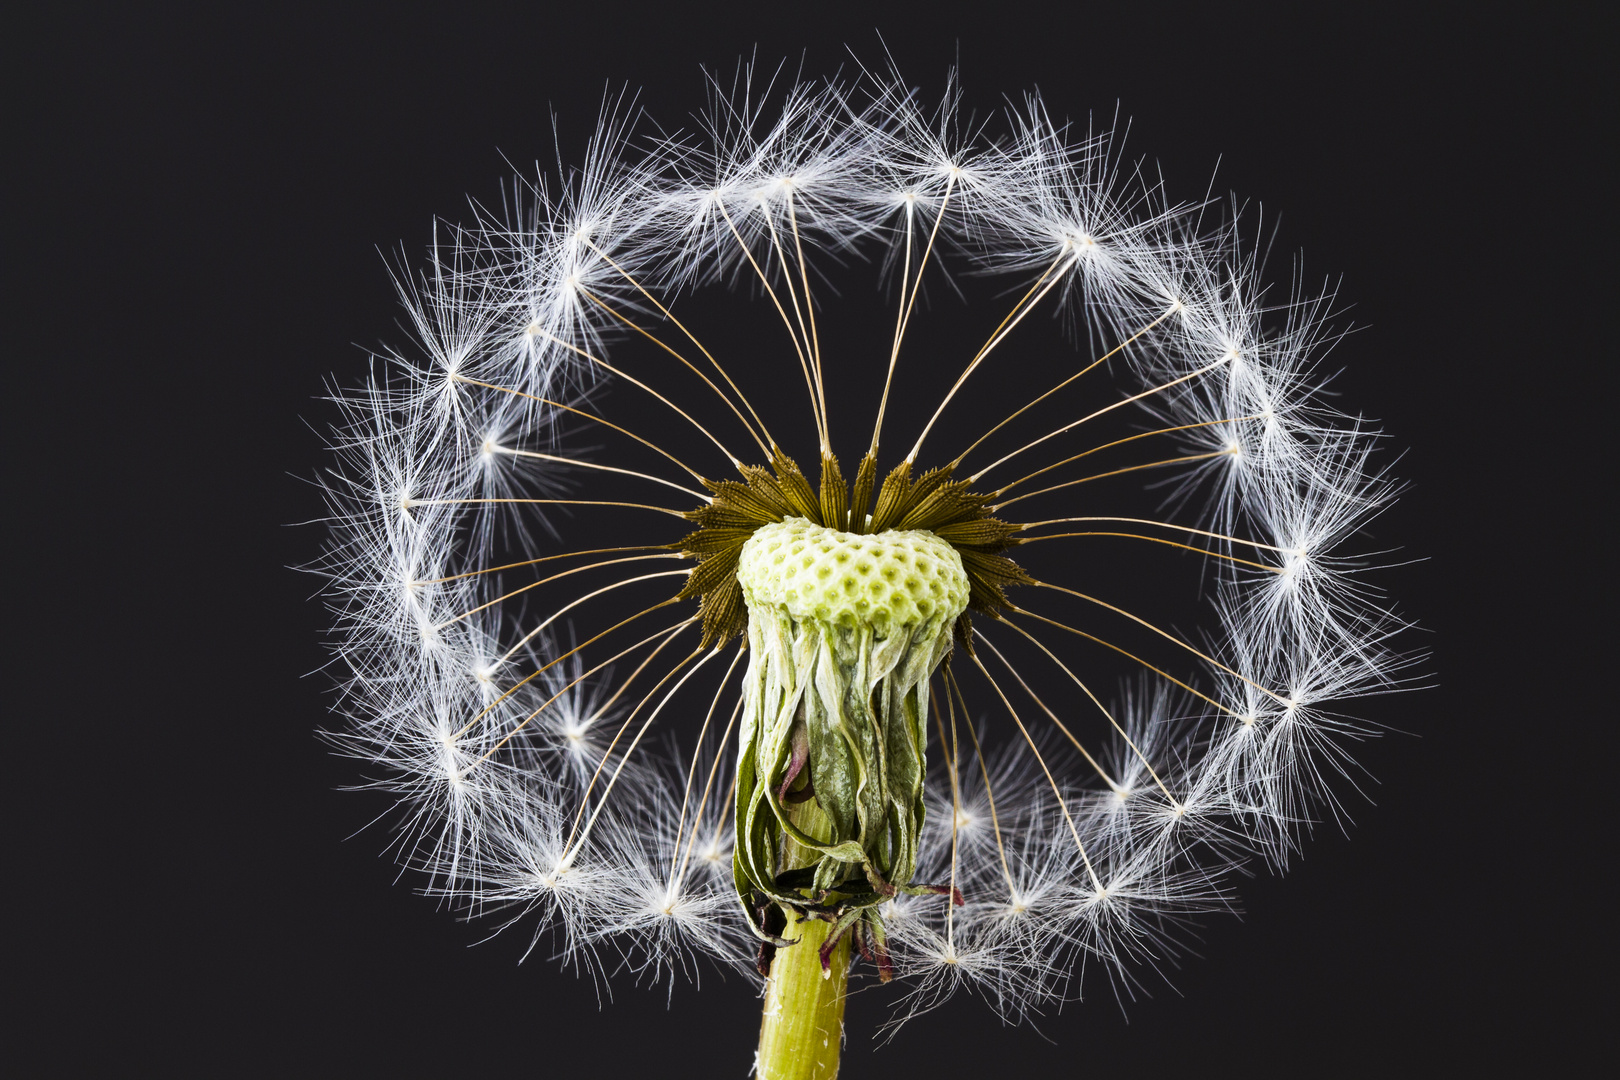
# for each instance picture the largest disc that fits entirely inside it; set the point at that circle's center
(857, 543)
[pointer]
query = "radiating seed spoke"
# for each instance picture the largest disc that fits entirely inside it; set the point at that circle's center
(1120, 442)
(667, 633)
(693, 339)
(407, 504)
(1161, 388)
(1024, 306)
(1061, 726)
(656, 340)
(714, 768)
(580, 412)
(1015, 609)
(1210, 660)
(1056, 792)
(554, 577)
(911, 302)
(1148, 521)
(1123, 734)
(584, 799)
(537, 672)
(560, 612)
(605, 366)
(691, 771)
(809, 382)
(1184, 459)
(899, 323)
(1156, 540)
(532, 562)
(1104, 358)
(989, 792)
(956, 814)
(624, 758)
(810, 310)
(580, 463)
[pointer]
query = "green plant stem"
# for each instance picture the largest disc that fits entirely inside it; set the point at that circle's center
(803, 1028)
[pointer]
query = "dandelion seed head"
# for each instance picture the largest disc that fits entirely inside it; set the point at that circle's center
(607, 768)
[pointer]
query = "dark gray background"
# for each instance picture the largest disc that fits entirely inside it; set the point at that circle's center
(195, 248)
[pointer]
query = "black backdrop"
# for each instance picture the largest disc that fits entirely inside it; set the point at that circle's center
(197, 247)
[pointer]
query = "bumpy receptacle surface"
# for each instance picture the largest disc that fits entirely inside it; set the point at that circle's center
(883, 580)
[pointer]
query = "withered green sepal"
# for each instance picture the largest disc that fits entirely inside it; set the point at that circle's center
(844, 632)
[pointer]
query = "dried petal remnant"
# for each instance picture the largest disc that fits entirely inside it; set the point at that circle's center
(844, 632)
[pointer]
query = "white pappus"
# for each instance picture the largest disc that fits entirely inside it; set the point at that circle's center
(561, 726)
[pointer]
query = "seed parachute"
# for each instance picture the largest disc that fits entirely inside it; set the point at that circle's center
(645, 688)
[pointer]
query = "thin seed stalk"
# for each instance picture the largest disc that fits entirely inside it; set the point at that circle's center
(803, 1028)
